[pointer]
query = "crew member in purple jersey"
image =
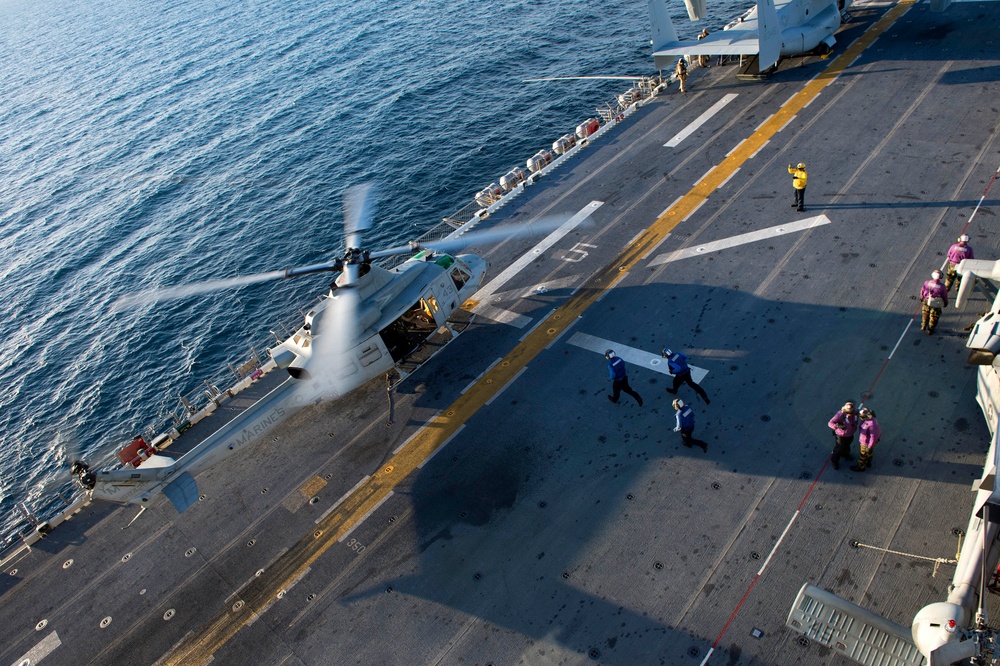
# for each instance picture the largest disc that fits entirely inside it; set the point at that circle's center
(843, 424)
(933, 297)
(956, 254)
(869, 435)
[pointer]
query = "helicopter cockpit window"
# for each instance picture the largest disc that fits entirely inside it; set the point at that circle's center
(459, 276)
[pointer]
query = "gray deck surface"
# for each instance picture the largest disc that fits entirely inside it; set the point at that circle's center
(557, 528)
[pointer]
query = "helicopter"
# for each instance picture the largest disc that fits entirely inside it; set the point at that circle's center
(367, 324)
(955, 630)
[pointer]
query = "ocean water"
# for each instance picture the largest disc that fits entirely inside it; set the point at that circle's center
(150, 145)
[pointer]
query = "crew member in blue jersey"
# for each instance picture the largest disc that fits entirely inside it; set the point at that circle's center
(678, 365)
(685, 425)
(619, 378)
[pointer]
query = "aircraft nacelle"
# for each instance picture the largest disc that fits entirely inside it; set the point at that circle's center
(938, 624)
(696, 9)
(812, 33)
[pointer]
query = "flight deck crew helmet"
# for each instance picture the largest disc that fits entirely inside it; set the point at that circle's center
(848, 407)
(609, 354)
(666, 352)
(936, 275)
(802, 165)
(963, 239)
(678, 404)
(866, 413)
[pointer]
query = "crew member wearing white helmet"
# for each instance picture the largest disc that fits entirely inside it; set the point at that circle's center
(618, 377)
(685, 425)
(933, 297)
(956, 254)
(867, 439)
(679, 368)
(843, 424)
(799, 177)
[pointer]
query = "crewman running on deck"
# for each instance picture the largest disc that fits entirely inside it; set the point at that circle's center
(685, 425)
(867, 439)
(799, 177)
(618, 377)
(933, 297)
(956, 254)
(843, 424)
(678, 366)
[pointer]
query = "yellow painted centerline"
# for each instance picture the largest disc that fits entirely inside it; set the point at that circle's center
(202, 643)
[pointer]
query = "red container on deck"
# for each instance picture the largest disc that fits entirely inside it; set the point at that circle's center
(135, 453)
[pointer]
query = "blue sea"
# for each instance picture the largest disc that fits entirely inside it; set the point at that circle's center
(147, 145)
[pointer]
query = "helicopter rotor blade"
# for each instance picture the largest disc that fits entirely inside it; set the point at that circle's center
(184, 290)
(359, 208)
(335, 332)
(535, 228)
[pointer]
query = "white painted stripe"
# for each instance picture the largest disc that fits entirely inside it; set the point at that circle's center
(443, 444)
(631, 355)
(908, 324)
(537, 324)
(41, 650)
(505, 386)
(343, 497)
(485, 294)
(742, 239)
(480, 376)
(736, 147)
(502, 316)
(787, 122)
(699, 121)
(780, 539)
(545, 287)
(364, 517)
(407, 441)
(707, 655)
(728, 178)
(694, 210)
(759, 149)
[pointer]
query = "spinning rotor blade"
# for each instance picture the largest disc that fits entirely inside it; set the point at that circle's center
(193, 289)
(359, 207)
(544, 225)
(334, 335)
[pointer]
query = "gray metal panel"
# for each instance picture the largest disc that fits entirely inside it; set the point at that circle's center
(851, 630)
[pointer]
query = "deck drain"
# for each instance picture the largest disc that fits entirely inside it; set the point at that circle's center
(694, 651)
(594, 653)
(310, 597)
(805, 475)
(958, 531)
(238, 606)
(41, 625)
(281, 594)
(855, 543)
(251, 543)
(897, 462)
(13, 572)
(201, 498)
(318, 533)
(105, 622)
(68, 563)
(126, 557)
(258, 573)
(464, 514)
(392, 519)
(565, 575)
(542, 504)
(169, 615)
(313, 500)
(263, 491)
(478, 575)
(755, 555)
(142, 592)
(190, 551)
(765, 418)
(388, 590)
(329, 476)
(819, 507)
(716, 485)
(630, 496)
(657, 565)
(932, 394)
(803, 641)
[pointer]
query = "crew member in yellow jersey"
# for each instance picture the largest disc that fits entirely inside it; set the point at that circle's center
(799, 185)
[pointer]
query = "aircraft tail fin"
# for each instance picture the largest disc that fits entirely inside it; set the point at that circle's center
(182, 492)
(851, 630)
(663, 28)
(768, 34)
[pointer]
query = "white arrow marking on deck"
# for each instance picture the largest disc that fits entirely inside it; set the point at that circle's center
(742, 239)
(699, 121)
(644, 359)
(41, 650)
(486, 293)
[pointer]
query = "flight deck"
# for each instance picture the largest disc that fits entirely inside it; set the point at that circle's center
(509, 513)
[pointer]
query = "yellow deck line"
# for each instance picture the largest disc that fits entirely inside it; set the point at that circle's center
(200, 645)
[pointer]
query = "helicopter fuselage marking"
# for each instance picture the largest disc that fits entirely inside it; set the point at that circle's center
(202, 643)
